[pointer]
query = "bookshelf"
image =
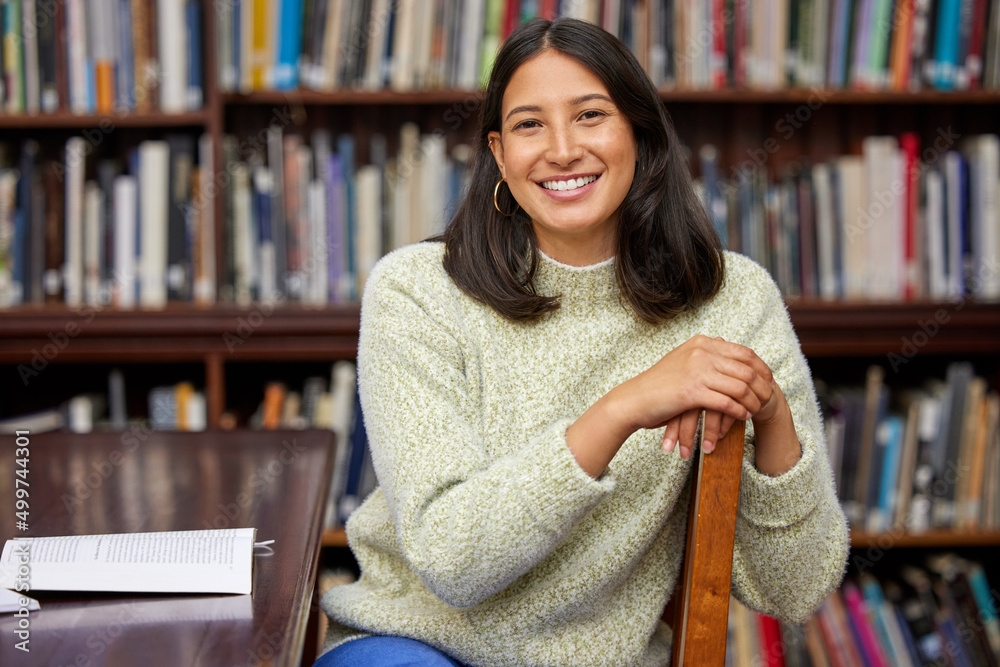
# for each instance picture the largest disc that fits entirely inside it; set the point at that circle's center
(182, 341)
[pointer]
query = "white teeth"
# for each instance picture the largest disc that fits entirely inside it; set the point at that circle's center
(571, 184)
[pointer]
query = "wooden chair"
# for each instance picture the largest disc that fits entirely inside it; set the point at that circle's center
(700, 604)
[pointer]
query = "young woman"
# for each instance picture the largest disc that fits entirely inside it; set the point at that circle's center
(532, 383)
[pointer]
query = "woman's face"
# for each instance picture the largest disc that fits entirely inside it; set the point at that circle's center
(568, 155)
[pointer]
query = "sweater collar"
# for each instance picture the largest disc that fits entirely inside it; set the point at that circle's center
(589, 282)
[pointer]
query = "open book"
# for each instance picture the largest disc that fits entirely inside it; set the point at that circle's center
(192, 561)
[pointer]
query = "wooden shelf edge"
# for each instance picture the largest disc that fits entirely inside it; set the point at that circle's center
(334, 537)
(104, 121)
(943, 539)
(729, 96)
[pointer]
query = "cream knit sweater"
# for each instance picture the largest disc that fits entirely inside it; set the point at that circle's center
(487, 540)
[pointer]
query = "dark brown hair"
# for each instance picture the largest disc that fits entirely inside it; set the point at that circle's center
(669, 257)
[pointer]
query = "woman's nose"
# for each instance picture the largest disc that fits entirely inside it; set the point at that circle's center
(564, 147)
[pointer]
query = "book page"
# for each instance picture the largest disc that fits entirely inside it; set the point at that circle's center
(197, 561)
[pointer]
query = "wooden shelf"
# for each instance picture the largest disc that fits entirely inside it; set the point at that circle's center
(181, 332)
(104, 121)
(354, 97)
(334, 537)
(827, 96)
(938, 539)
(859, 328)
(727, 96)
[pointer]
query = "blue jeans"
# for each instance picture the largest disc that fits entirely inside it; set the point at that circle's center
(385, 652)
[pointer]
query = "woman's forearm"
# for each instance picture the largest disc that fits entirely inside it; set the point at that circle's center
(598, 434)
(777, 444)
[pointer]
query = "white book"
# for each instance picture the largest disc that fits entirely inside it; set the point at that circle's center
(433, 185)
(403, 55)
(76, 148)
(826, 240)
(154, 162)
(879, 226)
(369, 229)
(854, 259)
(204, 274)
(332, 45)
(93, 213)
(934, 223)
(378, 35)
(8, 200)
(243, 240)
(191, 561)
(303, 157)
(816, 73)
(76, 46)
(343, 385)
(171, 34)
(473, 16)
(991, 70)
(32, 84)
(424, 35)
(317, 290)
(224, 46)
(267, 267)
(983, 152)
(406, 166)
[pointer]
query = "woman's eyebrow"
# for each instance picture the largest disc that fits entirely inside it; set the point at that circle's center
(590, 96)
(576, 101)
(529, 108)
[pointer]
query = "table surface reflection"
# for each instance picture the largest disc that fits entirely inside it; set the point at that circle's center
(138, 481)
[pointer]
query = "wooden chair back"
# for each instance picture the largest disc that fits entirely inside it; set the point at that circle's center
(701, 606)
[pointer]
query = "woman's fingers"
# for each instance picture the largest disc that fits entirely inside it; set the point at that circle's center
(711, 430)
(670, 434)
(688, 432)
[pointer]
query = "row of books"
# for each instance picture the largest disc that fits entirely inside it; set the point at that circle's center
(374, 44)
(131, 232)
(944, 613)
(897, 222)
(920, 458)
(304, 223)
(101, 56)
(328, 403)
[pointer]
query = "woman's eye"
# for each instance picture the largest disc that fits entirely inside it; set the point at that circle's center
(526, 125)
(593, 113)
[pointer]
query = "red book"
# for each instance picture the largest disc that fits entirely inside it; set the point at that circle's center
(738, 65)
(909, 144)
(772, 649)
(548, 9)
(62, 75)
(974, 58)
(857, 612)
(511, 19)
(717, 64)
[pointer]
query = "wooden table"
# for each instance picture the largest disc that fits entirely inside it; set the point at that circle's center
(140, 481)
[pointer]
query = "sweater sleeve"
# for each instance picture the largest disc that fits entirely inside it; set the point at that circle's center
(468, 524)
(791, 534)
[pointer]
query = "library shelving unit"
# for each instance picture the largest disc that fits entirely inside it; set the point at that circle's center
(183, 342)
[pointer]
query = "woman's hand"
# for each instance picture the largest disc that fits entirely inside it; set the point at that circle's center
(727, 380)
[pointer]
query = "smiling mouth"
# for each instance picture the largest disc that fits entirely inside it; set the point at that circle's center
(571, 184)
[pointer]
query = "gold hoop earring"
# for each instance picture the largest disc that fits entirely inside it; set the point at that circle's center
(497, 206)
